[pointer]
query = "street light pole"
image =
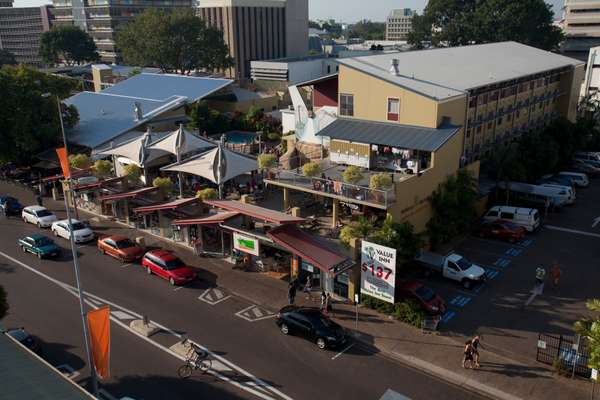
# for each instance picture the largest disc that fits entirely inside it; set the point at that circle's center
(82, 307)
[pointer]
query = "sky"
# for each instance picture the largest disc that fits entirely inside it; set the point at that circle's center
(340, 10)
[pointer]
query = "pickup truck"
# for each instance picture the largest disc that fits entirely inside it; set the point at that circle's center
(453, 266)
(39, 245)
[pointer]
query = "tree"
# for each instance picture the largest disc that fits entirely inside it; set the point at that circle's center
(590, 329)
(176, 41)
(368, 30)
(208, 120)
(401, 237)
(102, 169)
(363, 228)
(30, 121)
(464, 22)
(3, 303)
(267, 161)
(69, 43)
(380, 181)
(207, 194)
(352, 175)
(165, 186)
(314, 25)
(132, 173)
(311, 169)
(79, 161)
(7, 58)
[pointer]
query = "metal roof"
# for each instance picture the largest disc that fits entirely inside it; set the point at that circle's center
(172, 205)
(257, 212)
(128, 195)
(217, 218)
(25, 376)
(449, 72)
(389, 134)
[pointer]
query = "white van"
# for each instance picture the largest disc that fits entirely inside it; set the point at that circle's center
(580, 179)
(557, 197)
(528, 218)
(567, 190)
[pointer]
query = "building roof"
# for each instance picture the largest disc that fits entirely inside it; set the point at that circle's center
(217, 218)
(317, 80)
(449, 72)
(106, 115)
(253, 211)
(172, 205)
(389, 134)
(25, 376)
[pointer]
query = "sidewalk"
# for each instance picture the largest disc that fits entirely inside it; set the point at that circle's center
(502, 375)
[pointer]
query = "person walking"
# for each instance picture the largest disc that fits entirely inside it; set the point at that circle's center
(475, 342)
(329, 304)
(540, 275)
(308, 287)
(468, 355)
(323, 302)
(292, 292)
(39, 199)
(555, 273)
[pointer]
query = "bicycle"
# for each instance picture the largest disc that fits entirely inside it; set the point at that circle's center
(197, 359)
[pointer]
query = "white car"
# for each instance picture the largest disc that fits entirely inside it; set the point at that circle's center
(39, 216)
(81, 233)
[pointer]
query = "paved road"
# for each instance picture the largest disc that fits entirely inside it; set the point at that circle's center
(254, 359)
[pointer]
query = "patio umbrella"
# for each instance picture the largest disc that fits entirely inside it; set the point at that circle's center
(218, 165)
(180, 142)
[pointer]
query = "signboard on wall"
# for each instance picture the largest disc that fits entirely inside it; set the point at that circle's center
(245, 244)
(378, 271)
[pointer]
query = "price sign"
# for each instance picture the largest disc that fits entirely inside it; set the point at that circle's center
(594, 374)
(378, 271)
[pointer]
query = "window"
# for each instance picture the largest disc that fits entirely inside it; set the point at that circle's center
(347, 105)
(499, 121)
(506, 215)
(472, 101)
(393, 109)
(489, 125)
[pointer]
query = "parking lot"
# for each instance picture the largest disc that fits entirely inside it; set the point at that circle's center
(497, 310)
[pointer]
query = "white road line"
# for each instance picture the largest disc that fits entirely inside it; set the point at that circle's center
(178, 288)
(210, 301)
(224, 361)
(72, 374)
(121, 315)
(218, 294)
(342, 352)
(126, 265)
(256, 311)
(558, 228)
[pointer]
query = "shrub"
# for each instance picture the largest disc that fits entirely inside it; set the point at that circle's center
(102, 169)
(80, 161)
(207, 194)
(273, 136)
(311, 169)
(380, 181)
(132, 172)
(164, 185)
(352, 175)
(407, 311)
(266, 161)
(361, 229)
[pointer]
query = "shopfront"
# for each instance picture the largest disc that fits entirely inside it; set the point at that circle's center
(121, 205)
(158, 218)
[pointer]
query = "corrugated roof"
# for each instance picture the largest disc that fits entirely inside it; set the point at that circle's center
(128, 195)
(24, 376)
(173, 205)
(217, 218)
(257, 212)
(449, 72)
(389, 134)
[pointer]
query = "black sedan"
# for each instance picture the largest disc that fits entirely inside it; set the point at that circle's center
(311, 324)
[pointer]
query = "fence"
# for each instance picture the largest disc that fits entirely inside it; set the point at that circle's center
(562, 351)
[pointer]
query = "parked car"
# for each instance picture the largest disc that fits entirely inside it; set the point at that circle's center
(40, 245)
(580, 179)
(453, 266)
(525, 191)
(120, 247)
(559, 180)
(311, 324)
(39, 216)
(588, 158)
(10, 206)
(590, 170)
(21, 336)
(81, 232)
(528, 218)
(164, 264)
(502, 230)
(569, 190)
(429, 300)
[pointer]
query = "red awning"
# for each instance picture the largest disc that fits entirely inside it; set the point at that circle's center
(211, 219)
(128, 195)
(99, 184)
(310, 248)
(173, 205)
(261, 213)
(74, 174)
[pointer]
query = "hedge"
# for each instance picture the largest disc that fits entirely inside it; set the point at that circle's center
(407, 311)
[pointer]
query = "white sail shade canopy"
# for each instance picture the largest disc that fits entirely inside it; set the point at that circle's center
(181, 142)
(137, 149)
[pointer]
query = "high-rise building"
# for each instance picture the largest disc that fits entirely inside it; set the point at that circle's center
(103, 18)
(258, 29)
(20, 32)
(6, 3)
(582, 18)
(399, 24)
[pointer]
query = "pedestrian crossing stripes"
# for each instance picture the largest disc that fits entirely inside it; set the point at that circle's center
(460, 301)
(491, 274)
(502, 262)
(513, 252)
(448, 315)
(525, 243)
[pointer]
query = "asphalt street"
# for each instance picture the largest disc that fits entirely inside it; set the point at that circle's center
(254, 359)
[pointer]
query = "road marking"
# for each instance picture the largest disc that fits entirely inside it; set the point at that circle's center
(596, 222)
(267, 390)
(502, 262)
(67, 371)
(342, 352)
(558, 228)
(448, 315)
(126, 265)
(179, 288)
(491, 274)
(460, 301)
(526, 242)
(121, 315)
(213, 296)
(254, 313)
(513, 252)
(393, 395)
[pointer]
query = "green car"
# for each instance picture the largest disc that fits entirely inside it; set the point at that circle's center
(40, 245)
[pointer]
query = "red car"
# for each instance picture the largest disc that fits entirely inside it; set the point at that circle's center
(429, 300)
(502, 230)
(120, 247)
(164, 264)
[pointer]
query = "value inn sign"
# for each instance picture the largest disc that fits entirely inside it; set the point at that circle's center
(378, 271)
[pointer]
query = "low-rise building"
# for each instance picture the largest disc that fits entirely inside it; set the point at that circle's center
(21, 29)
(399, 24)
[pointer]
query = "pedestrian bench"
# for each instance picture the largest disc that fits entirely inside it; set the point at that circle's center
(430, 326)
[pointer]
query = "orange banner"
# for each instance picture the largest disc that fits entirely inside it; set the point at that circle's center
(64, 161)
(99, 325)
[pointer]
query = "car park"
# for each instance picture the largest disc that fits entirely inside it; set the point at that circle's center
(311, 324)
(40, 245)
(590, 170)
(120, 247)
(81, 232)
(559, 180)
(39, 216)
(502, 230)
(427, 299)
(164, 264)
(10, 206)
(528, 218)
(579, 179)
(21, 336)
(568, 190)
(452, 266)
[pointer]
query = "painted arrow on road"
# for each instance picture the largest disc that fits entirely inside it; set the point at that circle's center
(596, 222)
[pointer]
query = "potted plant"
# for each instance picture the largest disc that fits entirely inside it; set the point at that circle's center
(352, 175)
(164, 185)
(380, 182)
(102, 169)
(79, 161)
(311, 169)
(266, 162)
(207, 194)
(132, 174)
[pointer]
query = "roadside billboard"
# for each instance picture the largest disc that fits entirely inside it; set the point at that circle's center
(378, 271)
(245, 244)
